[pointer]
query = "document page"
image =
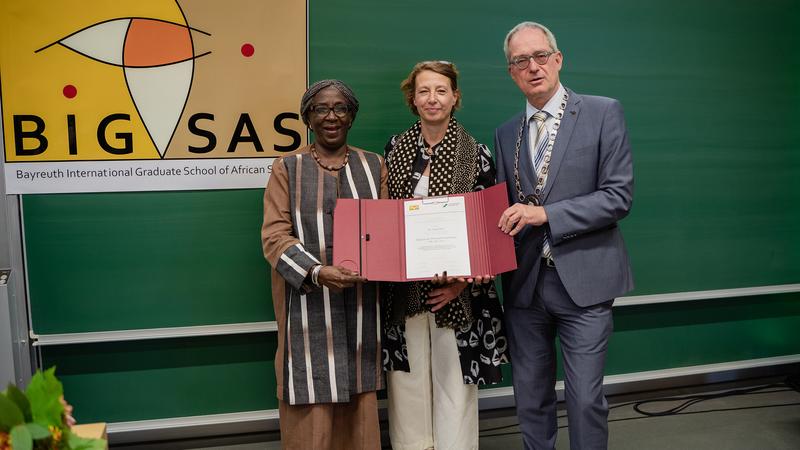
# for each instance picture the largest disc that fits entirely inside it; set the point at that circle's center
(436, 237)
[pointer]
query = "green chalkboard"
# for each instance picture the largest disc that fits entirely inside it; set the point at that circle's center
(122, 381)
(145, 260)
(711, 92)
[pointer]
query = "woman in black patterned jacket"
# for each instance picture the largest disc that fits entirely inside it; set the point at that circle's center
(442, 338)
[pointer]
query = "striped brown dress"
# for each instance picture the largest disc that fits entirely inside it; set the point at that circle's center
(328, 342)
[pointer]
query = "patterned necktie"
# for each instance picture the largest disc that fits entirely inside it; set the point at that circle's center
(541, 140)
(538, 160)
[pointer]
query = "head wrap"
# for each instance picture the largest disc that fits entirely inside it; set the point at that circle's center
(314, 89)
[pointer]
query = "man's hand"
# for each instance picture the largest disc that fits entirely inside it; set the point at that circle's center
(516, 216)
(337, 277)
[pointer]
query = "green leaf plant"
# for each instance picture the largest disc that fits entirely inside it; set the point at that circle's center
(34, 419)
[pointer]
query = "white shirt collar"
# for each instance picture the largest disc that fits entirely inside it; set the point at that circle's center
(551, 107)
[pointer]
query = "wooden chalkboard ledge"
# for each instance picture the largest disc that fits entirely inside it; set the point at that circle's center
(152, 333)
(195, 426)
(271, 326)
(706, 295)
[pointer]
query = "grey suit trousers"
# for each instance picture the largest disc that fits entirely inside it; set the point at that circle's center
(583, 334)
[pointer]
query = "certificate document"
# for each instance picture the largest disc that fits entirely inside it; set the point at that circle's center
(436, 237)
(413, 239)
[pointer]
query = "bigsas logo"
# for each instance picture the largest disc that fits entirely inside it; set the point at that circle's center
(167, 84)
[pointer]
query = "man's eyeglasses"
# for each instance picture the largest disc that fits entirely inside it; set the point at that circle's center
(339, 109)
(523, 61)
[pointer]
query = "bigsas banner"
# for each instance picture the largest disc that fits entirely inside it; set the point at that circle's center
(132, 95)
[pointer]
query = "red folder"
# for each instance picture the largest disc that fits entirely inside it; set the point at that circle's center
(369, 236)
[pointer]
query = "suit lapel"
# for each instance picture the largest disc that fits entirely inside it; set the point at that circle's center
(562, 140)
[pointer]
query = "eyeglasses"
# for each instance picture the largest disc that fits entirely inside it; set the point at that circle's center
(339, 109)
(523, 61)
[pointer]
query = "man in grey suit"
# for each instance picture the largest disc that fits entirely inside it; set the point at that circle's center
(567, 163)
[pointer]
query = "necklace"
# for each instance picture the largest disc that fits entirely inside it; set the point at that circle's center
(331, 168)
(541, 177)
(428, 150)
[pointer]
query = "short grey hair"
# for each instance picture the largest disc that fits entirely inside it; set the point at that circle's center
(314, 89)
(551, 38)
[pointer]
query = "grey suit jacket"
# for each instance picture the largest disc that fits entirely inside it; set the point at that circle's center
(589, 189)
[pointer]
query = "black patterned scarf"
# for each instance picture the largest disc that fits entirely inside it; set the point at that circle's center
(453, 170)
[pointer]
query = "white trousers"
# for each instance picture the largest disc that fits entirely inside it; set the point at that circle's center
(431, 406)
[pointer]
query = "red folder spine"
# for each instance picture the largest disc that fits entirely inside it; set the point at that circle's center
(485, 268)
(362, 233)
(487, 253)
(472, 206)
(401, 254)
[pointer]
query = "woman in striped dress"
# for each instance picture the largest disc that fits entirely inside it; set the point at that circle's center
(328, 362)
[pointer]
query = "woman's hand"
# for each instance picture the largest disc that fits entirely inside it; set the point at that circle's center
(444, 279)
(481, 279)
(449, 289)
(337, 277)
